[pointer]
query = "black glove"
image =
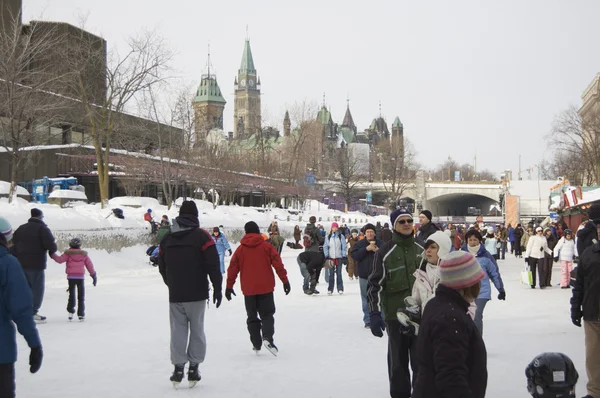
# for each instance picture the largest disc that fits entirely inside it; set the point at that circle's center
(230, 252)
(555, 259)
(287, 288)
(345, 261)
(217, 297)
(527, 260)
(502, 295)
(576, 260)
(94, 279)
(35, 359)
(377, 324)
(228, 293)
(576, 316)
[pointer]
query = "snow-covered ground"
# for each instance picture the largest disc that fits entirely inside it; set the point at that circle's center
(122, 349)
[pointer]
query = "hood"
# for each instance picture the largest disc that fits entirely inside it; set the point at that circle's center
(252, 240)
(74, 252)
(443, 241)
(35, 219)
(185, 223)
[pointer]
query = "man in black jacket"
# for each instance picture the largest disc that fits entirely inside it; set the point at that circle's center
(363, 253)
(310, 264)
(31, 243)
(585, 304)
(426, 229)
(587, 234)
(187, 256)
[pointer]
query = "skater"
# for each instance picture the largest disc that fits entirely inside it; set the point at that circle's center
(148, 217)
(363, 253)
(351, 268)
(187, 256)
(31, 242)
(255, 259)
(537, 246)
(565, 251)
(391, 281)
(77, 262)
(491, 243)
(426, 228)
(312, 238)
(549, 258)
(164, 229)
(386, 233)
(585, 304)
(452, 358)
(310, 264)
(222, 245)
(297, 237)
(336, 250)
(490, 266)
(16, 306)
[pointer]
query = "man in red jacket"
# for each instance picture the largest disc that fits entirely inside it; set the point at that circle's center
(253, 259)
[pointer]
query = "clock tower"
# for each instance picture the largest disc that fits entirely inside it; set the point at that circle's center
(246, 105)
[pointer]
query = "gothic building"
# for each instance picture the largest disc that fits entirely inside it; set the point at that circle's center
(246, 106)
(208, 106)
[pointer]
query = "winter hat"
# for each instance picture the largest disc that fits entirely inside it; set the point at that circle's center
(354, 231)
(539, 229)
(443, 241)
(427, 214)
(6, 229)
(251, 228)
(401, 212)
(490, 230)
(188, 207)
(369, 226)
(460, 270)
(36, 213)
(216, 229)
(568, 232)
(312, 219)
(334, 225)
(547, 229)
(594, 213)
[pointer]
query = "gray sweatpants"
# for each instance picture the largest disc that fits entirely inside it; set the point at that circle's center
(184, 317)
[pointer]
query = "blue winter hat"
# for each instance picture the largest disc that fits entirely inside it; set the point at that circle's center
(6, 229)
(399, 213)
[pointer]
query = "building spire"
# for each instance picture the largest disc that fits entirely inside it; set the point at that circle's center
(247, 34)
(208, 62)
(323, 99)
(380, 108)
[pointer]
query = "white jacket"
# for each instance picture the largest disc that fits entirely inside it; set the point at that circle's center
(536, 247)
(565, 250)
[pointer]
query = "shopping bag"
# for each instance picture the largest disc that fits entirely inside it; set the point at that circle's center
(526, 276)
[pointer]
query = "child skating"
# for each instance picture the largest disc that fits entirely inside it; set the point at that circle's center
(77, 262)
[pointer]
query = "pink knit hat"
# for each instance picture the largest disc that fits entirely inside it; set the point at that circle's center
(334, 225)
(460, 270)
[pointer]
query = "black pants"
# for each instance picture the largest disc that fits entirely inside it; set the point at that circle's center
(534, 264)
(7, 380)
(545, 270)
(315, 264)
(401, 353)
(518, 251)
(79, 285)
(263, 306)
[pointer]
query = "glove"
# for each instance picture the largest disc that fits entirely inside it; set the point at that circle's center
(377, 324)
(527, 260)
(217, 297)
(345, 261)
(94, 279)
(502, 295)
(576, 316)
(287, 288)
(555, 259)
(576, 260)
(230, 252)
(35, 359)
(228, 293)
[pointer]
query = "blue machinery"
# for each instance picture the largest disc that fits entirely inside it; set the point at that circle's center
(42, 187)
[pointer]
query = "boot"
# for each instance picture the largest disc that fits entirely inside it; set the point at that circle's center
(177, 374)
(193, 374)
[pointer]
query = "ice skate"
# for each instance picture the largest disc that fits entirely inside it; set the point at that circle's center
(81, 318)
(340, 292)
(193, 375)
(271, 347)
(177, 375)
(39, 318)
(70, 316)
(329, 293)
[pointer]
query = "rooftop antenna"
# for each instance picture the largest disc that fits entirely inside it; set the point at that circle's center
(247, 34)
(208, 60)
(323, 99)
(379, 108)
(348, 100)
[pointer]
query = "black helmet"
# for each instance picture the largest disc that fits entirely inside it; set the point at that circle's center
(568, 232)
(551, 375)
(75, 243)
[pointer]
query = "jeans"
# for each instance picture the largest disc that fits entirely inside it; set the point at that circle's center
(222, 263)
(79, 285)
(364, 285)
(327, 273)
(336, 273)
(503, 250)
(480, 303)
(262, 305)
(305, 275)
(36, 279)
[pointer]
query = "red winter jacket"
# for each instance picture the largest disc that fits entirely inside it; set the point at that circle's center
(253, 259)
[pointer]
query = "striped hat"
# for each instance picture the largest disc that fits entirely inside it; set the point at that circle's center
(460, 270)
(6, 229)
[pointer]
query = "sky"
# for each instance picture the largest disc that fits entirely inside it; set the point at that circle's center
(467, 78)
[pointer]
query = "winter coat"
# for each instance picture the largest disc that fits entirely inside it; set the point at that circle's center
(162, 232)
(316, 239)
(254, 260)
(565, 249)
(552, 241)
(363, 257)
(537, 246)
(277, 240)
(297, 234)
(335, 246)
(525, 239)
(386, 234)
(586, 290)
(585, 236)
(490, 245)
(77, 261)
(378, 229)
(187, 257)
(221, 244)
(16, 308)
(452, 358)
(391, 277)
(351, 244)
(511, 235)
(424, 232)
(490, 266)
(31, 241)
(427, 278)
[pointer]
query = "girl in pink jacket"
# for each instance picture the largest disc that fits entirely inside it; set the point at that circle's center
(77, 261)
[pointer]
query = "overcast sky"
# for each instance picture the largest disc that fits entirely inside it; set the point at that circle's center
(465, 77)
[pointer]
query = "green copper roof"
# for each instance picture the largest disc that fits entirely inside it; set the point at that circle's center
(397, 122)
(324, 116)
(347, 134)
(209, 90)
(247, 65)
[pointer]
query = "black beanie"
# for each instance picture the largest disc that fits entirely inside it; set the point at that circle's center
(369, 226)
(427, 214)
(188, 207)
(593, 213)
(37, 213)
(312, 219)
(251, 228)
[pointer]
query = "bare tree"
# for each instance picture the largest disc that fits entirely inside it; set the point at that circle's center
(351, 171)
(396, 163)
(27, 106)
(298, 147)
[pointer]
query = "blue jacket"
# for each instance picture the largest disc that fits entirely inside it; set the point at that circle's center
(511, 235)
(221, 244)
(332, 253)
(16, 305)
(490, 266)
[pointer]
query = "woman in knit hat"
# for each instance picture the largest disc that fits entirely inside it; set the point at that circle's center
(336, 250)
(222, 246)
(452, 358)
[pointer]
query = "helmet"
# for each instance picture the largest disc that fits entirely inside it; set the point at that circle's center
(75, 243)
(149, 210)
(568, 232)
(551, 375)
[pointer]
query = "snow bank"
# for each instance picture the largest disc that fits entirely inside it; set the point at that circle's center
(5, 188)
(67, 194)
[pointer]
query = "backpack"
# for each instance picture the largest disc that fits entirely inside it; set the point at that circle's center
(118, 213)
(150, 250)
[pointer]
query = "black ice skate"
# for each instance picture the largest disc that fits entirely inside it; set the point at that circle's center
(272, 348)
(177, 375)
(193, 375)
(70, 316)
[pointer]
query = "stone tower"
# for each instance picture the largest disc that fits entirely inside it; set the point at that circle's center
(397, 128)
(246, 106)
(287, 124)
(208, 106)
